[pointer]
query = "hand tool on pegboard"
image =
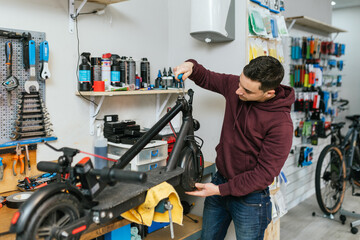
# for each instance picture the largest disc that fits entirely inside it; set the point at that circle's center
(24, 37)
(44, 58)
(19, 157)
(32, 117)
(11, 82)
(32, 82)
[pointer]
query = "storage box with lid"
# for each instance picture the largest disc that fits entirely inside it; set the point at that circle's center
(153, 155)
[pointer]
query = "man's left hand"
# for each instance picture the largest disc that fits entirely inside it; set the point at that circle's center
(204, 190)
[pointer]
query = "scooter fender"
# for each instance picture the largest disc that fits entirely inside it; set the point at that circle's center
(27, 209)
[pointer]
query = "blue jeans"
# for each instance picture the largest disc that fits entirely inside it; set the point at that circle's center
(251, 214)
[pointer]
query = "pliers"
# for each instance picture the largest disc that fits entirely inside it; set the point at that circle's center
(18, 157)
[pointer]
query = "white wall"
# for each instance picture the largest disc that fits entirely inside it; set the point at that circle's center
(133, 28)
(319, 9)
(349, 19)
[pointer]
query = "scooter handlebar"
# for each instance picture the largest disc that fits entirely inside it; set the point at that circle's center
(48, 167)
(114, 174)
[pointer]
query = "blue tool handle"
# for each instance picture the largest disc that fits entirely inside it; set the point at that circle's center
(32, 52)
(180, 77)
(8, 52)
(44, 51)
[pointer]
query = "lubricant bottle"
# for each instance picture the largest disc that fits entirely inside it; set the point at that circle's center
(158, 80)
(131, 72)
(100, 148)
(145, 72)
(170, 78)
(115, 71)
(84, 83)
(123, 69)
(105, 70)
(95, 69)
(164, 79)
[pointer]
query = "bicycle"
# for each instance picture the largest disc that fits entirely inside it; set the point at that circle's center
(61, 210)
(338, 163)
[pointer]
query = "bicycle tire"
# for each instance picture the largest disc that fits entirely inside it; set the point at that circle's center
(60, 207)
(356, 162)
(332, 178)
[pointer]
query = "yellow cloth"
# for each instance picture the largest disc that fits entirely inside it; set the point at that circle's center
(147, 209)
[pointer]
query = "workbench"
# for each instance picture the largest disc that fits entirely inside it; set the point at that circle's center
(189, 230)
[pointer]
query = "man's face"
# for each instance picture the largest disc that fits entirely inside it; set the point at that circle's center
(249, 90)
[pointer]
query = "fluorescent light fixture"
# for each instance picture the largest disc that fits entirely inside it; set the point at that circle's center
(333, 3)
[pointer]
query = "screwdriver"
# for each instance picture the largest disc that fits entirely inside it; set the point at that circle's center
(182, 83)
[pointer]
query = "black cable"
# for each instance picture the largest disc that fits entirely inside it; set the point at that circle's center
(142, 223)
(77, 69)
(5, 233)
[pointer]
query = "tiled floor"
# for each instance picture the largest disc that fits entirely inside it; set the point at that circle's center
(299, 224)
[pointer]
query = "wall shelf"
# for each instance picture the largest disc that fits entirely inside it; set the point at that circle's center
(314, 24)
(132, 93)
(159, 107)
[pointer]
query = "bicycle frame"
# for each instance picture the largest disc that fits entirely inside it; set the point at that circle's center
(350, 139)
(102, 196)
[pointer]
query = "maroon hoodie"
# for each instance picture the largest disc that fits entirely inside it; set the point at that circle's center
(256, 137)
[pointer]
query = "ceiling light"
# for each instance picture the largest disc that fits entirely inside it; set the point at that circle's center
(333, 3)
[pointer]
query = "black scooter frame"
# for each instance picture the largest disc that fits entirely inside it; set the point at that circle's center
(113, 197)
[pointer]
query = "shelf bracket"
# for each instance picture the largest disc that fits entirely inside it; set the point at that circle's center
(160, 109)
(93, 113)
(291, 24)
(333, 39)
(74, 13)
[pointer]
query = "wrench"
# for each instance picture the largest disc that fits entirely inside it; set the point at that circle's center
(32, 82)
(44, 58)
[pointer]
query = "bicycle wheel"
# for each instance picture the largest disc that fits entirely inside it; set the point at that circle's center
(57, 211)
(330, 183)
(355, 162)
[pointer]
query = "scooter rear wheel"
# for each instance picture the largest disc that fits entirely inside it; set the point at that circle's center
(191, 175)
(57, 211)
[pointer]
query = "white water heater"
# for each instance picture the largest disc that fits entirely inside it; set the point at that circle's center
(213, 20)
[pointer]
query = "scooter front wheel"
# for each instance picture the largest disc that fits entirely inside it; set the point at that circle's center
(56, 212)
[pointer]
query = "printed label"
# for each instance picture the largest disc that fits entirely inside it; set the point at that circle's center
(115, 76)
(84, 76)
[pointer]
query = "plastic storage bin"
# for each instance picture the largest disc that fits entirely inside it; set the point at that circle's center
(153, 152)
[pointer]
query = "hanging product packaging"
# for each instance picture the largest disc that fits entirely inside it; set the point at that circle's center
(280, 52)
(282, 26)
(256, 22)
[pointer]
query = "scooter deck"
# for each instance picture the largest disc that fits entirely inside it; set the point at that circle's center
(125, 196)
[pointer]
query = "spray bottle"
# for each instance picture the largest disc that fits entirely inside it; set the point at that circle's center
(85, 73)
(100, 148)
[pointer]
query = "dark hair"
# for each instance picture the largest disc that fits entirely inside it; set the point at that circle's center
(266, 70)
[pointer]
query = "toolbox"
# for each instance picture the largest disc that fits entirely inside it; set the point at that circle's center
(155, 151)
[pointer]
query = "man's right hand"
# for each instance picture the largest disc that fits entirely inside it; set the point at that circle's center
(185, 68)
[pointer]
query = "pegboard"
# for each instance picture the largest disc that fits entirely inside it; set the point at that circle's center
(8, 114)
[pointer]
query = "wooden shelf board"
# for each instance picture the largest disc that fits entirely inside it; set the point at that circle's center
(188, 229)
(315, 24)
(106, 1)
(125, 93)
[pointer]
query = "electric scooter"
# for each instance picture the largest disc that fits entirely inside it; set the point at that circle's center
(65, 209)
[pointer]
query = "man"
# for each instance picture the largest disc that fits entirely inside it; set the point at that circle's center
(255, 141)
